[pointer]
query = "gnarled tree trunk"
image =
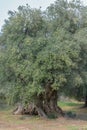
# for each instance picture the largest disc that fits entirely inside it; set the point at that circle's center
(50, 102)
(45, 105)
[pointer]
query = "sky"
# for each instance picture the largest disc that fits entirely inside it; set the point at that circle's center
(12, 5)
(6, 5)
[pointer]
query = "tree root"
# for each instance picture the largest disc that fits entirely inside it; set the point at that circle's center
(37, 110)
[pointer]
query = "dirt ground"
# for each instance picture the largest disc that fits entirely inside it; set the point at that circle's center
(12, 122)
(41, 124)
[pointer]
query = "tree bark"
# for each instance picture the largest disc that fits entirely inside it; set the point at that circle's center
(19, 110)
(85, 105)
(85, 102)
(45, 105)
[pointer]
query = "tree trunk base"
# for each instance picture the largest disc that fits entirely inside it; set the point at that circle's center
(19, 110)
(42, 112)
(45, 105)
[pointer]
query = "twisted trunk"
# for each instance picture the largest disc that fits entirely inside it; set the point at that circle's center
(46, 104)
(50, 103)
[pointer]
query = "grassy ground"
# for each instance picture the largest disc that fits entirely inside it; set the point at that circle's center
(12, 122)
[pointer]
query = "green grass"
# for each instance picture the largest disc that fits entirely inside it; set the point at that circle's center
(68, 104)
(76, 128)
(73, 128)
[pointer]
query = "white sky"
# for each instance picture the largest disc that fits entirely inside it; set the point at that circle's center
(6, 5)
